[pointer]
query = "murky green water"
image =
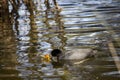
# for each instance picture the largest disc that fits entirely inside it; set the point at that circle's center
(34, 30)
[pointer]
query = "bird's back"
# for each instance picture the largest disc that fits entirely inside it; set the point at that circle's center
(77, 54)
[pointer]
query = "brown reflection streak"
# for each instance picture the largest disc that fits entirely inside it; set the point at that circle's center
(15, 4)
(59, 24)
(7, 37)
(47, 3)
(33, 31)
(14, 14)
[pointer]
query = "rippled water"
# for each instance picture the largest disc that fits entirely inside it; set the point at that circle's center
(79, 24)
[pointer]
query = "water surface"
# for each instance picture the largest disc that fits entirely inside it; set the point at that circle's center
(36, 30)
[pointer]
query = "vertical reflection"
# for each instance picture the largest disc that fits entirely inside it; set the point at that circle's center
(61, 34)
(52, 36)
(32, 50)
(8, 56)
(8, 43)
(27, 40)
(55, 28)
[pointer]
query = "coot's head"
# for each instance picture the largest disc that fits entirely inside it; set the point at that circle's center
(56, 53)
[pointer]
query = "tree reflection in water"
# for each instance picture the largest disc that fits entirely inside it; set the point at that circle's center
(29, 28)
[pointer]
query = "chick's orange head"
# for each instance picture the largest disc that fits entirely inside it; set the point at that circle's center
(47, 57)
